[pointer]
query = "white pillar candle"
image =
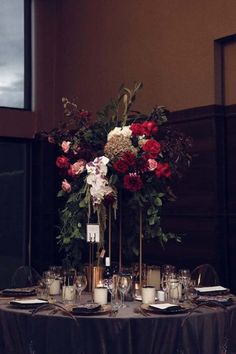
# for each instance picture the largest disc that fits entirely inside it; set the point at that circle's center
(161, 295)
(100, 295)
(54, 288)
(148, 294)
(154, 277)
(68, 293)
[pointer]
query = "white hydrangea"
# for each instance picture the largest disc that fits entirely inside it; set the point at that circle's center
(125, 131)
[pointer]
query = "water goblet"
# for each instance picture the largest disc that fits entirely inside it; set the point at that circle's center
(112, 286)
(80, 285)
(124, 284)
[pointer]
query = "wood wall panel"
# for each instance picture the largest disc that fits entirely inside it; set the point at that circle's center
(199, 242)
(197, 191)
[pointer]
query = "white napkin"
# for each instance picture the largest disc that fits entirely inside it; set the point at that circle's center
(210, 289)
(139, 298)
(30, 301)
(164, 306)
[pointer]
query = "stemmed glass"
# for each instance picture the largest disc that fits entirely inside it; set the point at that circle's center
(124, 283)
(168, 271)
(80, 285)
(165, 284)
(112, 286)
(185, 280)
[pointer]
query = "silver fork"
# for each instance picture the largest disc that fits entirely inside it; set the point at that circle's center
(141, 311)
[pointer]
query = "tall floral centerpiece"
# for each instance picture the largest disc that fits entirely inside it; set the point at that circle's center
(118, 160)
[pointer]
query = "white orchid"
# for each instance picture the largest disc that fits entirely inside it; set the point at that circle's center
(98, 166)
(96, 178)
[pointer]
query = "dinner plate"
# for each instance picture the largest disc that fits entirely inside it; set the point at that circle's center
(89, 311)
(170, 309)
(28, 303)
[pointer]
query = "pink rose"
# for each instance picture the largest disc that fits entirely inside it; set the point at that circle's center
(152, 164)
(78, 167)
(65, 145)
(66, 186)
(51, 140)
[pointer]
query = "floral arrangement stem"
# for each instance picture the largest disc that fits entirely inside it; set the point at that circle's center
(109, 232)
(140, 246)
(120, 236)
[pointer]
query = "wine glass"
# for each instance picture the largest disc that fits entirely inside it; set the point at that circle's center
(185, 279)
(124, 283)
(80, 285)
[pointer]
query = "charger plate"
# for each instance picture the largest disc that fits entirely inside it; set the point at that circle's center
(86, 311)
(18, 292)
(226, 300)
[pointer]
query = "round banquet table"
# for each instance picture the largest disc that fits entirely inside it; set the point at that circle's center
(201, 332)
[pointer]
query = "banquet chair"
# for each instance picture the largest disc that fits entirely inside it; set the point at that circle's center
(205, 275)
(49, 333)
(196, 345)
(25, 276)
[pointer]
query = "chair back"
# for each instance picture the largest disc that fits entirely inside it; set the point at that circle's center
(219, 344)
(205, 275)
(25, 276)
(54, 329)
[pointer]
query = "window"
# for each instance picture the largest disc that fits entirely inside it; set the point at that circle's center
(15, 53)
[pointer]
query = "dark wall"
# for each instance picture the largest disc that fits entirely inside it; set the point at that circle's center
(14, 206)
(44, 205)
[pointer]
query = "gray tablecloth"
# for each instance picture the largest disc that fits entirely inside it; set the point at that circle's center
(202, 332)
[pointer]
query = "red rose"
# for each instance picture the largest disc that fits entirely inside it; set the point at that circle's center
(120, 166)
(152, 148)
(137, 129)
(84, 114)
(133, 182)
(128, 158)
(163, 170)
(150, 128)
(62, 162)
